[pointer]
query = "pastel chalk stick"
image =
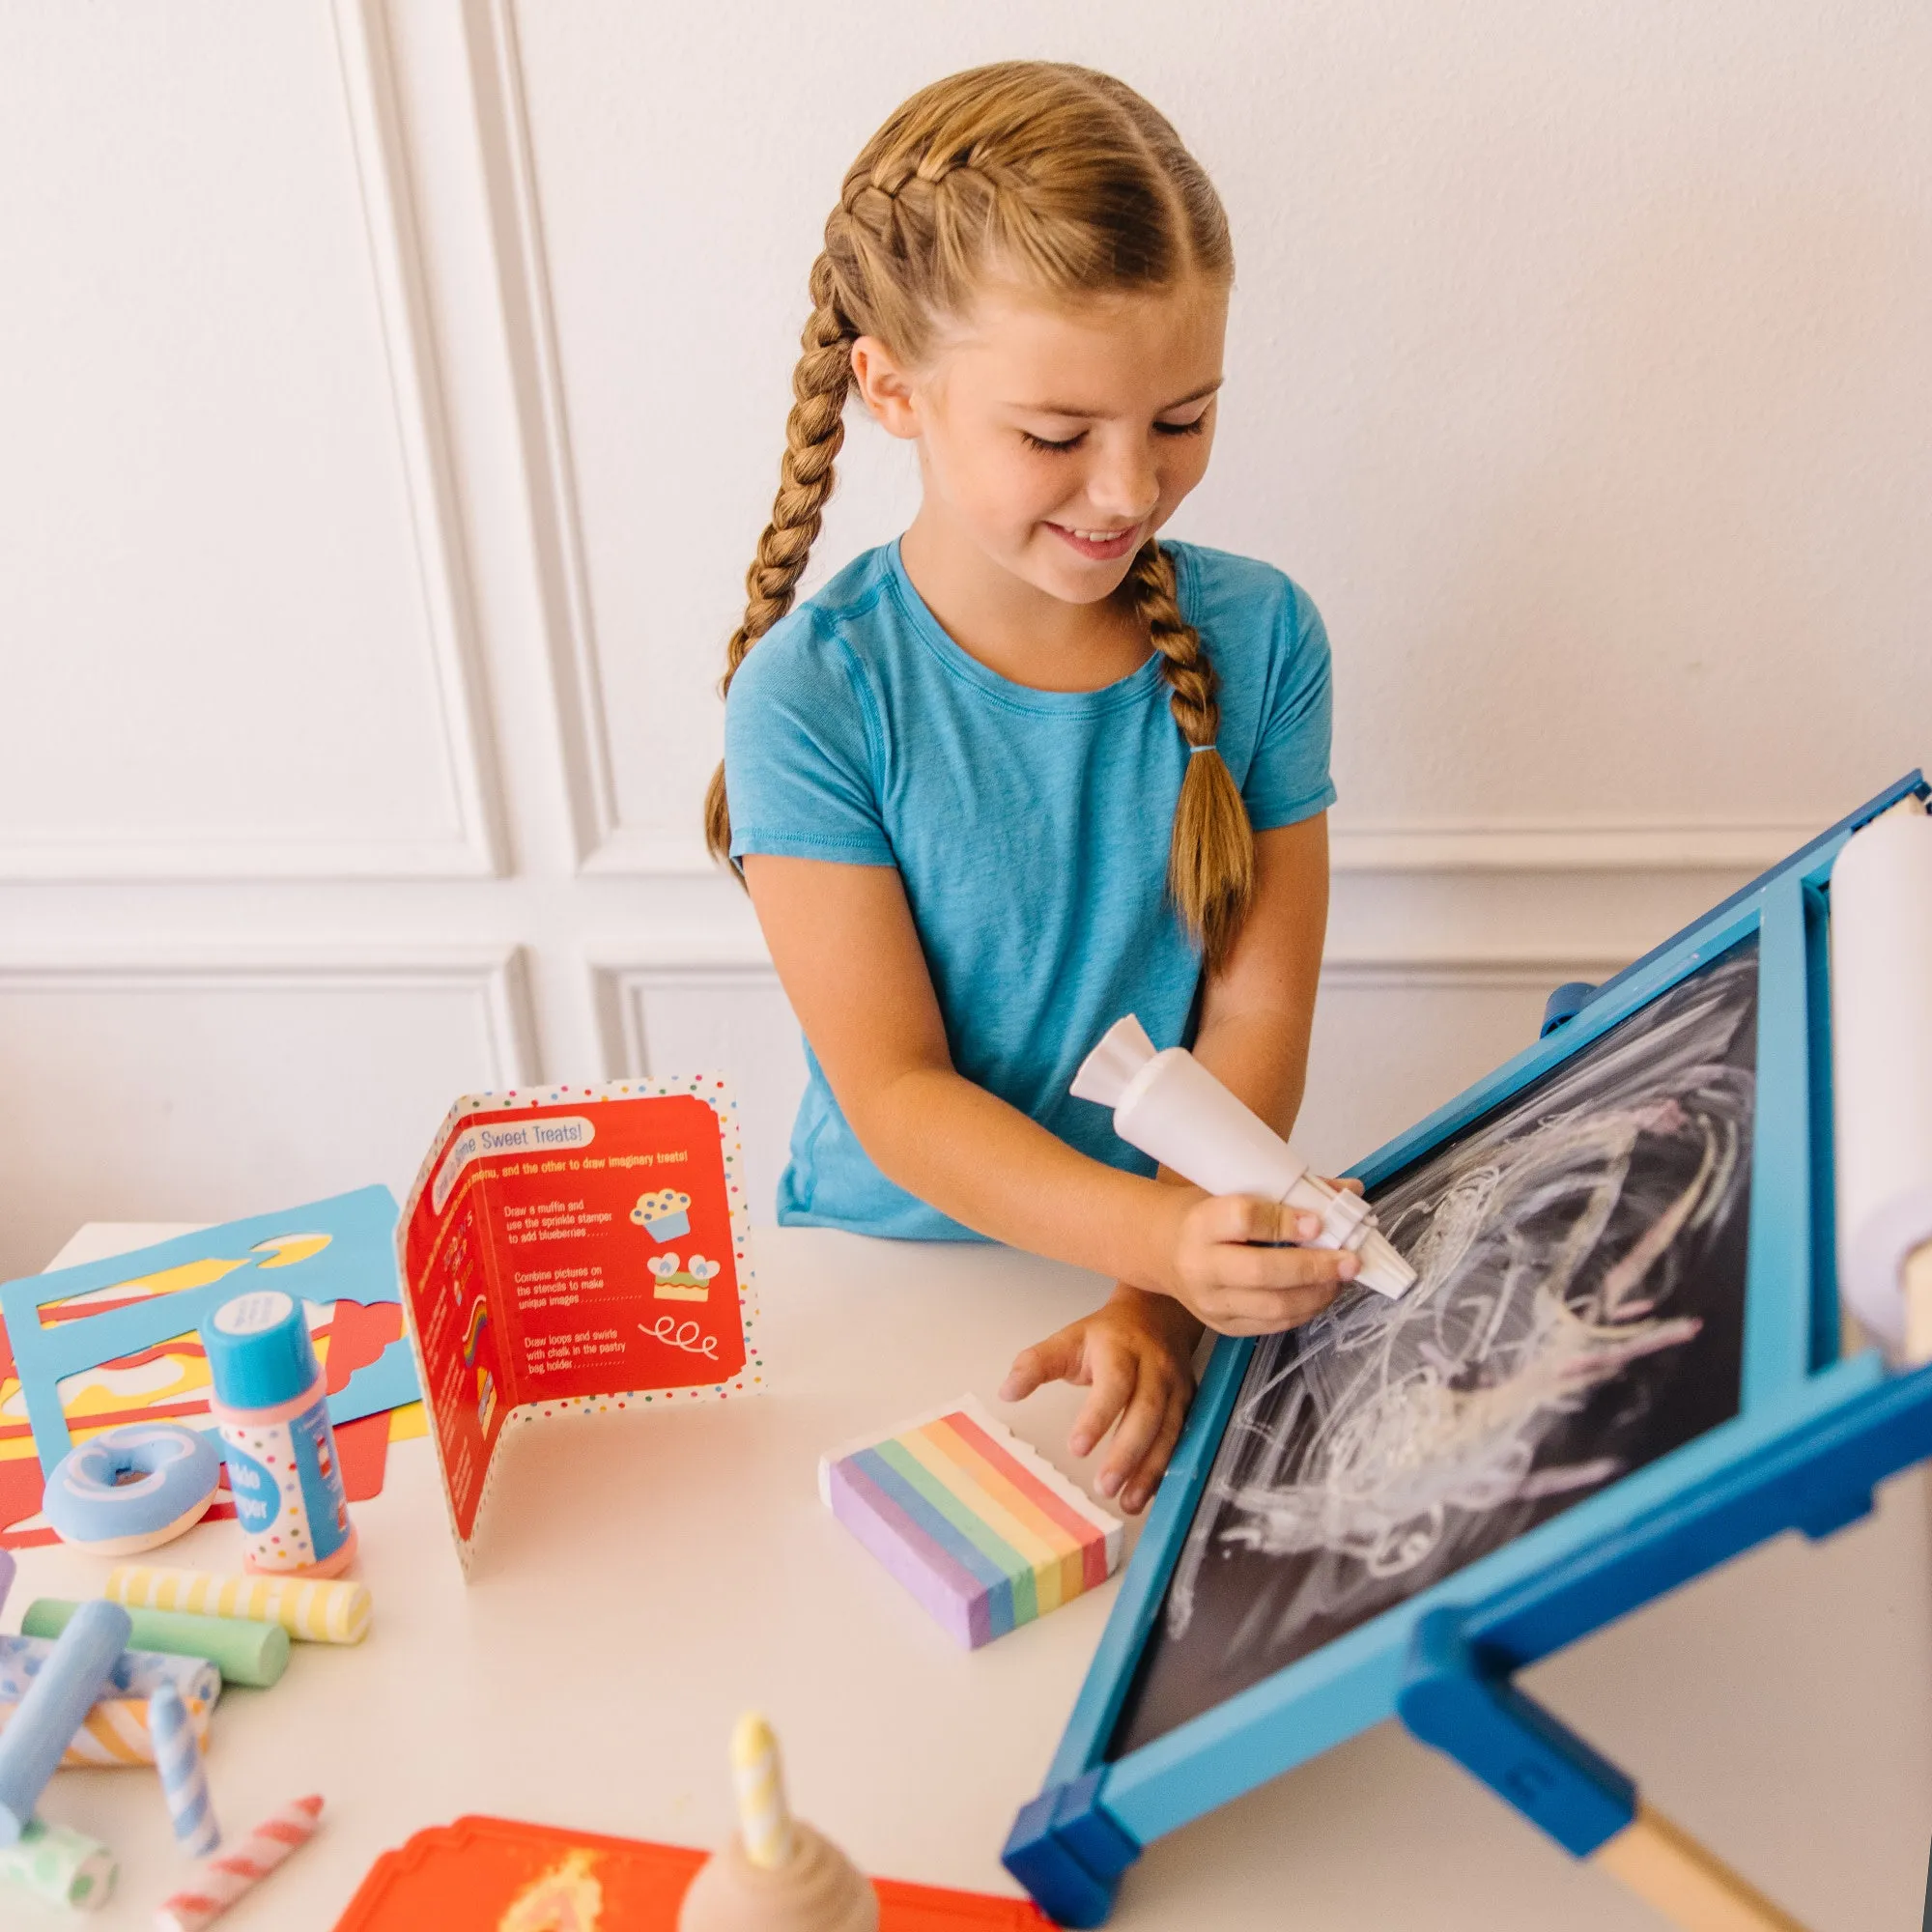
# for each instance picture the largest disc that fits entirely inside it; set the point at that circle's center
(55, 1707)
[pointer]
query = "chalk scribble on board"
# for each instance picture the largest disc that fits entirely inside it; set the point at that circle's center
(1594, 1224)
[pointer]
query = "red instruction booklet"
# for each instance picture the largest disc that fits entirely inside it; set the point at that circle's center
(573, 1247)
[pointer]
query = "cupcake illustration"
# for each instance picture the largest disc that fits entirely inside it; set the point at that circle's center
(664, 1215)
(690, 1283)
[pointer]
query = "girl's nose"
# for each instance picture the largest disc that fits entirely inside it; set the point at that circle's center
(1124, 484)
(1124, 491)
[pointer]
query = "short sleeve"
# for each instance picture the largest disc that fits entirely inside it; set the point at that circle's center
(1289, 778)
(799, 763)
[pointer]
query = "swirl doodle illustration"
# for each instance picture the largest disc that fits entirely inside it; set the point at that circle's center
(676, 1334)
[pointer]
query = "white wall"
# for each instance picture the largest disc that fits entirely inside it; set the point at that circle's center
(391, 394)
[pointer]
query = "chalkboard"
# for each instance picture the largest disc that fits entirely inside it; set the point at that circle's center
(1579, 1313)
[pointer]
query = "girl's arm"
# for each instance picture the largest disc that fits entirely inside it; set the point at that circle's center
(848, 956)
(1255, 1017)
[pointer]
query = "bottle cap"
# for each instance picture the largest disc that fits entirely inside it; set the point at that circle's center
(259, 1352)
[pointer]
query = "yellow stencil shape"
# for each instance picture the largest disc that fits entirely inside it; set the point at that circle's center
(170, 1281)
(566, 1898)
(289, 1250)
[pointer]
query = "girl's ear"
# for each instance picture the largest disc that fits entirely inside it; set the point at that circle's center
(885, 389)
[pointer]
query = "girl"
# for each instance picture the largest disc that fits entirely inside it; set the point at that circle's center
(1028, 768)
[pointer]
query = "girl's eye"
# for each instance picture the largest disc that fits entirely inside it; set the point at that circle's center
(1194, 428)
(1033, 441)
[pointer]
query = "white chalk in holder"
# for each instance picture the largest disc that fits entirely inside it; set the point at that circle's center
(1881, 1076)
(1170, 1106)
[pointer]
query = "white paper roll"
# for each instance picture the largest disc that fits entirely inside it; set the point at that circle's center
(1882, 1062)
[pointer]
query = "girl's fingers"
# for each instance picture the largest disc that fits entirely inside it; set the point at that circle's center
(1114, 1374)
(1146, 1479)
(1055, 1360)
(1247, 1217)
(1264, 1311)
(1139, 1430)
(1236, 1267)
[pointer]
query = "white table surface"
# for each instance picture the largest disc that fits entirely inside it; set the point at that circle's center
(646, 1576)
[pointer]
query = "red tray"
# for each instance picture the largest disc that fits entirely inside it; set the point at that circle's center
(464, 1877)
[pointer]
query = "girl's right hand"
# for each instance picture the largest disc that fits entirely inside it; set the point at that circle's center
(1241, 1289)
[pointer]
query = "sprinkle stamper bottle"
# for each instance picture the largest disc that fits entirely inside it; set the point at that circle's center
(271, 1407)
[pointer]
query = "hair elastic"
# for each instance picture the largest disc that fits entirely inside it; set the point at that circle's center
(1195, 751)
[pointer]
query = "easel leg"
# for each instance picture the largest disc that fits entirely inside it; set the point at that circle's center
(1475, 1714)
(1676, 1876)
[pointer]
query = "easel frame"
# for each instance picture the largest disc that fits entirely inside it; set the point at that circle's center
(1812, 1434)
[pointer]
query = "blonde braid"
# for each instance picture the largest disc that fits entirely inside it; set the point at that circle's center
(814, 431)
(1210, 855)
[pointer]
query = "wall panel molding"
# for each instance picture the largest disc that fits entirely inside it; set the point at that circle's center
(496, 978)
(367, 83)
(423, 432)
(1470, 845)
(623, 983)
(1571, 845)
(623, 979)
(550, 477)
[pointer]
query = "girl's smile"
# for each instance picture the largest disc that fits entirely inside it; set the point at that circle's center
(1100, 545)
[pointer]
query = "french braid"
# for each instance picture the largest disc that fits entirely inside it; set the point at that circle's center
(1211, 854)
(814, 431)
(1067, 180)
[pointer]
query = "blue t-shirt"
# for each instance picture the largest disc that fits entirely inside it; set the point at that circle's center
(1030, 828)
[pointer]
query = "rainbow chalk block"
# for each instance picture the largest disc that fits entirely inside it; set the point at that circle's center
(55, 1707)
(974, 1523)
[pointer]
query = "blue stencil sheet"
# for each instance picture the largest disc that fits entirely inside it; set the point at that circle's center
(357, 1263)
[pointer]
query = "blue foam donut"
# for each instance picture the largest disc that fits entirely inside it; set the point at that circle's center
(133, 1488)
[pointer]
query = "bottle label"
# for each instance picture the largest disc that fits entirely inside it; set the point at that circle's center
(287, 1481)
(258, 1497)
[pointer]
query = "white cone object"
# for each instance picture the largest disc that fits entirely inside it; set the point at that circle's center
(1170, 1106)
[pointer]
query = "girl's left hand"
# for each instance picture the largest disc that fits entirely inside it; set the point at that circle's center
(1137, 1355)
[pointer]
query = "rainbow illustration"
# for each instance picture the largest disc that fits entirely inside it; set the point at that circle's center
(473, 1331)
(974, 1523)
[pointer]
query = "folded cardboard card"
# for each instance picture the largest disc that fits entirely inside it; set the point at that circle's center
(576, 1247)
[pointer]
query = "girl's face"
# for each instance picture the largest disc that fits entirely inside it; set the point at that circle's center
(1057, 438)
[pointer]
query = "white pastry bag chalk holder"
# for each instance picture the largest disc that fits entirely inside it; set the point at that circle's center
(1170, 1106)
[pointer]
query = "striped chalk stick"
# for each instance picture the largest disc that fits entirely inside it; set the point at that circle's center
(183, 1776)
(56, 1705)
(115, 1732)
(764, 1818)
(978, 1525)
(315, 1609)
(221, 1880)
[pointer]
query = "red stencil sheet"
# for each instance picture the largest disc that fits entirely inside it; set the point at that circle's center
(471, 1876)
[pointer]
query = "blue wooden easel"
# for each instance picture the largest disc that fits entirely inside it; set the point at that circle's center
(1813, 1434)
